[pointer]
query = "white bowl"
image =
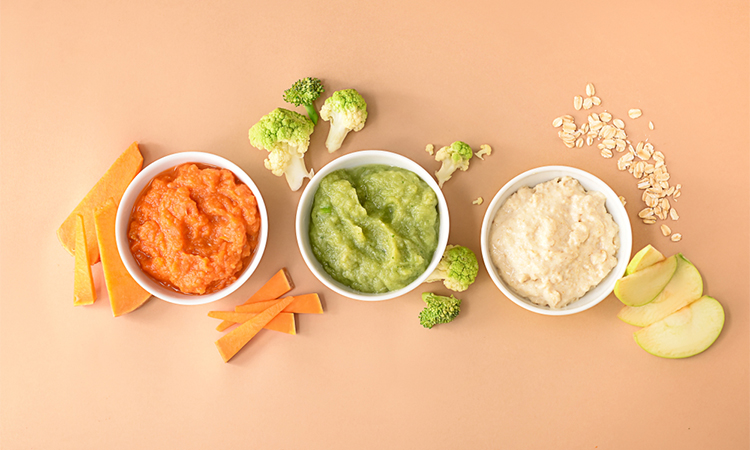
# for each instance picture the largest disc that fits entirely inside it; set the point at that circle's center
(591, 183)
(126, 207)
(356, 159)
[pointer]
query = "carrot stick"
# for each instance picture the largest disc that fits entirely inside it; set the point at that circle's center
(278, 285)
(229, 344)
(305, 304)
(284, 322)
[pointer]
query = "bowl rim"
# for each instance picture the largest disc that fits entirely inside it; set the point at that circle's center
(599, 292)
(134, 190)
(351, 160)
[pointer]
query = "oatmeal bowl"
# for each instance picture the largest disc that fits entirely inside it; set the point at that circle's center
(555, 240)
(191, 228)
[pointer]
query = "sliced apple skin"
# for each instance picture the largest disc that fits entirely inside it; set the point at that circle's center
(685, 287)
(684, 333)
(642, 287)
(648, 256)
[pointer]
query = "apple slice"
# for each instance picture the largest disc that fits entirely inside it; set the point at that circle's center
(685, 287)
(648, 256)
(684, 333)
(640, 288)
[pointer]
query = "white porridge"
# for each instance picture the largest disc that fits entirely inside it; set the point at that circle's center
(554, 242)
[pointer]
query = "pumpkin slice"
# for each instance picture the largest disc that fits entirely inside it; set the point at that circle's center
(303, 304)
(83, 283)
(112, 184)
(125, 295)
(278, 285)
(284, 322)
(232, 342)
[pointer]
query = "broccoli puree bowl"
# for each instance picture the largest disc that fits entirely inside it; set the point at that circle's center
(372, 225)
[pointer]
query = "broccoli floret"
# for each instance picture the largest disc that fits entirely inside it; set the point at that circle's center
(347, 111)
(304, 92)
(454, 157)
(285, 135)
(457, 269)
(439, 309)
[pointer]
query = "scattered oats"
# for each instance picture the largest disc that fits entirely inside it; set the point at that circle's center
(649, 169)
(484, 150)
(478, 201)
(645, 183)
(670, 191)
(607, 153)
(590, 89)
(650, 125)
(430, 149)
(652, 201)
(649, 221)
(619, 123)
(605, 117)
(638, 170)
(620, 134)
(569, 117)
(588, 103)
(579, 142)
(673, 214)
(609, 143)
(557, 122)
(628, 157)
(664, 203)
(635, 113)
(622, 200)
(620, 145)
(577, 102)
(569, 127)
(646, 213)
(596, 100)
(658, 156)
(622, 165)
(665, 230)
(676, 237)
(608, 132)
(589, 140)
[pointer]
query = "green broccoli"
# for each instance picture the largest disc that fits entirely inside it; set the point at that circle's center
(304, 92)
(454, 157)
(439, 309)
(457, 269)
(347, 111)
(285, 135)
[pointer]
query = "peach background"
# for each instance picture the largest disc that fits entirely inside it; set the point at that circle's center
(82, 80)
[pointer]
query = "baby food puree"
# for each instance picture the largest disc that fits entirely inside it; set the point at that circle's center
(194, 229)
(374, 228)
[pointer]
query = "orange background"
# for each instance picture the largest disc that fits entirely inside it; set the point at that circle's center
(82, 80)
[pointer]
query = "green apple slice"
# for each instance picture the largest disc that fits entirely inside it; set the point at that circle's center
(684, 333)
(640, 288)
(685, 287)
(648, 256)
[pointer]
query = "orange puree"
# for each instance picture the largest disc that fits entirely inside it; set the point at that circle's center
(194, 229)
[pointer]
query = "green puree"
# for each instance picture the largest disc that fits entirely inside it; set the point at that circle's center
(374, 228)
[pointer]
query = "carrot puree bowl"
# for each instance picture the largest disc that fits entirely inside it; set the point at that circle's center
(613, 206)
(360, 160)
(165, 290)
